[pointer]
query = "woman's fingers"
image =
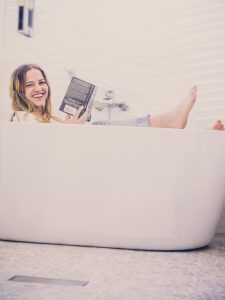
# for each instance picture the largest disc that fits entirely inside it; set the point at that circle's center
(76, 119)
(79, 111)
(82, 118)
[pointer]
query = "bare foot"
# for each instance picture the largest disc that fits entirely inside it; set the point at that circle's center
(218, 125)
(176, 118)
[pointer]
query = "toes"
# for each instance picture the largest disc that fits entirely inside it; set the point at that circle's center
(218, 125)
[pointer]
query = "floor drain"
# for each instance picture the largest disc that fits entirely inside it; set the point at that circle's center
(43, 280)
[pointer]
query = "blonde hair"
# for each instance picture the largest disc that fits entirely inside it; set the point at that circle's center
(19, 100)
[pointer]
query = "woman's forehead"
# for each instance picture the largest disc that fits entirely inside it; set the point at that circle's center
(34, 74)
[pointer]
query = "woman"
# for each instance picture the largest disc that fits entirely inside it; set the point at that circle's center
(31, 97)
(31, 101)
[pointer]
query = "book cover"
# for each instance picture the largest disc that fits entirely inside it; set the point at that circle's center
(79, 93)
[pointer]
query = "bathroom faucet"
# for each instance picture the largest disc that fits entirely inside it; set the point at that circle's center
(109, 103)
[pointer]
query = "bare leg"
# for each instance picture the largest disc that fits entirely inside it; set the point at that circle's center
(176, 118)
(218, 125)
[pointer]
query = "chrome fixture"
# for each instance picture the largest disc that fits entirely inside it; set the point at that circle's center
(109, 103)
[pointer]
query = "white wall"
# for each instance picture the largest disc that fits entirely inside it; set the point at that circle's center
(149, 52)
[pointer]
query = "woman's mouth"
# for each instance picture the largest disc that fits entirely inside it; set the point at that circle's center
(39, 95)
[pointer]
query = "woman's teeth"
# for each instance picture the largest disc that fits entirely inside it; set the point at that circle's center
(38, 95)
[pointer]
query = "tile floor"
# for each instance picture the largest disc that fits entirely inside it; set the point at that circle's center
(113, 273)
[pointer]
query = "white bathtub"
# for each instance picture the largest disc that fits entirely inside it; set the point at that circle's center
(141, 188)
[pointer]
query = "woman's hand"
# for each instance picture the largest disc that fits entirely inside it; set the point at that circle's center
(218, 125)
(76, 119)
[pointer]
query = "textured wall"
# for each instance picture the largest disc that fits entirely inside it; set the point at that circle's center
(149, 52)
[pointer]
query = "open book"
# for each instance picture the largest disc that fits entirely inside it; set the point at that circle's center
(79, 93)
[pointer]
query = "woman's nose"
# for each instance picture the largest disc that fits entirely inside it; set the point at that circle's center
(37, 87)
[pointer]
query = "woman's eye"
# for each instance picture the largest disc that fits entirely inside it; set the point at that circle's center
(42, 82)
(29, 85)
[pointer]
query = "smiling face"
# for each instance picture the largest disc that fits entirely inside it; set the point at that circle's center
(36, 88)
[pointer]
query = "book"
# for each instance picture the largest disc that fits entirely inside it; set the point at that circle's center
(79, 93)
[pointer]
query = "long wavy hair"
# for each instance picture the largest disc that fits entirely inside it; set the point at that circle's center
(19, 100)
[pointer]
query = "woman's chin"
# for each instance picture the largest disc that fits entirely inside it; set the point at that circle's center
(40, 104)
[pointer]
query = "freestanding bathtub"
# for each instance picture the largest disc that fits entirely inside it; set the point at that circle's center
(123, 187)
